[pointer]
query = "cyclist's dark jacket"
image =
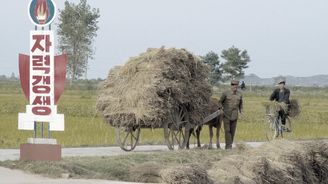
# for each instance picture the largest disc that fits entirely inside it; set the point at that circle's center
(280, 96)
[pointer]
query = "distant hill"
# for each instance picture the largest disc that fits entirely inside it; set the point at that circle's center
(316, 80)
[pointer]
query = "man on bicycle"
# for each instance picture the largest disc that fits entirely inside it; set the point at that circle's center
(281, 94)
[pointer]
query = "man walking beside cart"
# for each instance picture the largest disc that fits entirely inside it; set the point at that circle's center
(232, 104)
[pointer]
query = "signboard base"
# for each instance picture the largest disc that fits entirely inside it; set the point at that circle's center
(40, 152)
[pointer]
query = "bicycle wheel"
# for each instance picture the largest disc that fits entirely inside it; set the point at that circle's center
(272, 129)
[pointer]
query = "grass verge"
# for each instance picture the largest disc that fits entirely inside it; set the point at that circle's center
(133, 167)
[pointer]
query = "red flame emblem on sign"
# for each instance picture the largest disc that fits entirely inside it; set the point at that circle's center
(41, 11)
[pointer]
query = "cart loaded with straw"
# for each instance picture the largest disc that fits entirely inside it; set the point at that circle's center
(161, 88)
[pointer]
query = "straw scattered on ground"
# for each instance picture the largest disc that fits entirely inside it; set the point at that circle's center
(186, 174)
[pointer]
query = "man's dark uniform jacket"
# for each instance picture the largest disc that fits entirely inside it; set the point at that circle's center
(280, 96)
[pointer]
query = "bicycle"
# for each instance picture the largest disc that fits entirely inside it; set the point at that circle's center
(274, 127)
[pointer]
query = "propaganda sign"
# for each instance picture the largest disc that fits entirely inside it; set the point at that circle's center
(42, 74)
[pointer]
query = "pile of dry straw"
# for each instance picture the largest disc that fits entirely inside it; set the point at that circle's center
(150, 86)
(277, 162)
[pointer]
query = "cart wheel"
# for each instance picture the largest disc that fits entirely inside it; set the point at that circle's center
(127, 137)
(177, 132)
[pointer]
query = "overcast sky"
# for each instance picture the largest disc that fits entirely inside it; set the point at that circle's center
(282, 37)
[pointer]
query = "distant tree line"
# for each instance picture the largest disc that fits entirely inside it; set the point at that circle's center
(230, 66)
(12, 77)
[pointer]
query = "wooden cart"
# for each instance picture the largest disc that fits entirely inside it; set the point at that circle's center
(176, 130)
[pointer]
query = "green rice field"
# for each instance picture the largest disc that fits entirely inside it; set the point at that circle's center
(84, 127)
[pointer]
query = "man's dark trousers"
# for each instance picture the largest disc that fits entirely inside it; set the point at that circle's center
(229, 130)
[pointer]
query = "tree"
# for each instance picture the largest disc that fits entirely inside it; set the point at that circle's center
(211, 59)
(77, 29)
(235, 63)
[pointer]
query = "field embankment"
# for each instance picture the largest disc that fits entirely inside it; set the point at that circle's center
(280, 161)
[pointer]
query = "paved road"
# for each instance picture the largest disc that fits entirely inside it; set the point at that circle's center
(8, 176)
(13, 154)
